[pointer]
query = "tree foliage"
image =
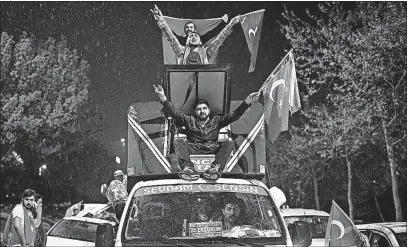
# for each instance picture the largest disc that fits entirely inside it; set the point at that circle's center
(46, 119)
(44, 84)
(352, 64)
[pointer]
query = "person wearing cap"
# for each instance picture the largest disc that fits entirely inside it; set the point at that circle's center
(202, 135)
(117, 194)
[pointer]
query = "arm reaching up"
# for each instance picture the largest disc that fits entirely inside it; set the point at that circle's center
(240, 110)
(217, 42)
(252, 97)
(161, 22)
(176, 114)
(214, 32)
(160, 93)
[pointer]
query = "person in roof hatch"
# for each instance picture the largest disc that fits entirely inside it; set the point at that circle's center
(190, 27)
(202, 130)
(193, 53)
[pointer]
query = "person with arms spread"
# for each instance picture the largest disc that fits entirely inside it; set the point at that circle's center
(190, 27)
(202, 135)
(193, 53)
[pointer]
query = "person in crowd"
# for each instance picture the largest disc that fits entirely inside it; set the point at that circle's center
(75, 211)
(117, 193)
(362, 241)
(202, 211)
(193, 53)
(232, 211)
(41, 233)
(202, 135)
(20, 228)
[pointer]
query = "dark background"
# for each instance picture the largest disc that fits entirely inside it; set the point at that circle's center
(122, 43)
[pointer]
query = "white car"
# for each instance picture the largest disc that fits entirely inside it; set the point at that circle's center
(317, 221)
(75, 231)
(386, 234)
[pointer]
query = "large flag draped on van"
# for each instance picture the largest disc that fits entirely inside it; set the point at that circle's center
(280, 96)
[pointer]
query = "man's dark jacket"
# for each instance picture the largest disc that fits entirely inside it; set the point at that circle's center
(204, 137)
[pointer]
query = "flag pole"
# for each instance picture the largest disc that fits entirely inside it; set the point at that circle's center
(174, 18)
(253, 12)
(273, 72)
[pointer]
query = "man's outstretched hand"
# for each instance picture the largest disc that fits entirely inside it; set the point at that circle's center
(235, 20)
(253, 97)
(225, 18)
(157, 14)
(160, 93)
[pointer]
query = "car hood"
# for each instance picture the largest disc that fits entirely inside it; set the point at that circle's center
(55, 241)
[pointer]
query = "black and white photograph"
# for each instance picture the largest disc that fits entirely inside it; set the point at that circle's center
(203, 123)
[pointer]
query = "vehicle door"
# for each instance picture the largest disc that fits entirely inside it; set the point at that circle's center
(379, 239)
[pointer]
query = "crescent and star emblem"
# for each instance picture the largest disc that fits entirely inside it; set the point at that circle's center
(275, 85)
(280, 95)
(252, 31)
(340, 225)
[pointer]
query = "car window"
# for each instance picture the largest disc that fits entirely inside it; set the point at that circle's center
(317, 224)
(77, 230)
(402, 239)
(378, 240)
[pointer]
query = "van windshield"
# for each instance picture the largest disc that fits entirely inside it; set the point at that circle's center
(197, 211)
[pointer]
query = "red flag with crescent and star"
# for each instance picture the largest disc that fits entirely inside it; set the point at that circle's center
(280, 96)
(252, 24)
(340, 230)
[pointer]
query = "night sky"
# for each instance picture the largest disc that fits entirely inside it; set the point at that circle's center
(122, 44)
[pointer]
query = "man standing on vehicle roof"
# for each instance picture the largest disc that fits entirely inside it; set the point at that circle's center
(117, 194)
(193, 53)
(202, 135)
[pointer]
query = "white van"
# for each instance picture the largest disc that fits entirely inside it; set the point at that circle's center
(163, 212)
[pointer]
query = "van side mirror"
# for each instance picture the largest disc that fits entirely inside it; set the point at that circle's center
(300, 233)
(104, 236)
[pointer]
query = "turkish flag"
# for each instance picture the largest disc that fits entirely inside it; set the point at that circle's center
(280, 96)
(340, 230)
(252, 25)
